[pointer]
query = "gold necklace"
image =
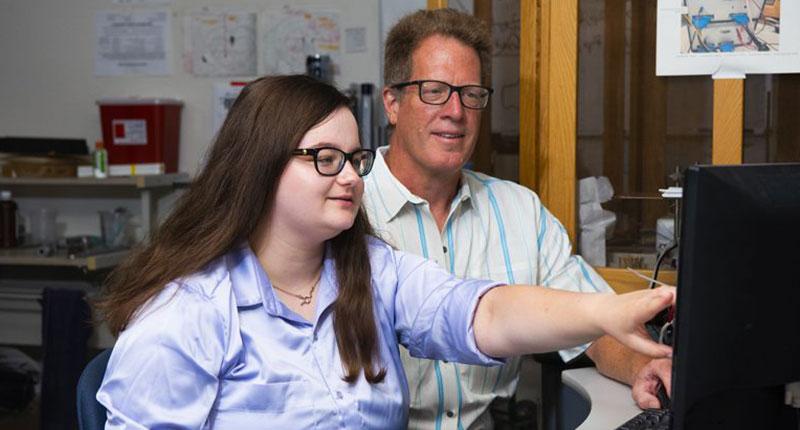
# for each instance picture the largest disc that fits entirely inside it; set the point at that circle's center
(304, 300)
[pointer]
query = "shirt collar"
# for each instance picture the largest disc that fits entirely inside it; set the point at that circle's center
(246, 272)
(395, 195)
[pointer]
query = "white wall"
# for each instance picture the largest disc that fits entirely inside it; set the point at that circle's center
(47, 82)
(48, 87)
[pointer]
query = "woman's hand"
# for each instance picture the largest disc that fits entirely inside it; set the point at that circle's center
(624, 316)
(514, 320)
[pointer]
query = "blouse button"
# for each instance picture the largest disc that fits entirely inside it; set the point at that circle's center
(450, 414)
(339, 395)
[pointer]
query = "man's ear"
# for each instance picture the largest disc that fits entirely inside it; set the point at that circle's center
(391, 104)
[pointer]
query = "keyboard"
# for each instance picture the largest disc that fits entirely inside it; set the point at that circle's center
(649, 419)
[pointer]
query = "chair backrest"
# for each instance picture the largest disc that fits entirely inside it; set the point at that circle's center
(91, 414)
(552, 389)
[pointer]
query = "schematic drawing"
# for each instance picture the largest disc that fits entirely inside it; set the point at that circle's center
(723, 26)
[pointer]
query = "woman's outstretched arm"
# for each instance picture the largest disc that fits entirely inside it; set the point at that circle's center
(515, 320)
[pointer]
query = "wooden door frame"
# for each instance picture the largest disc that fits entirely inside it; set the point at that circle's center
(548, 117)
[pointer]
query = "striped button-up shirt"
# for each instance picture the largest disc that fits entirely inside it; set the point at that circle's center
(497, 230)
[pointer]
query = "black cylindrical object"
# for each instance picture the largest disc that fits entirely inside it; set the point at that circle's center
(365, 115)
(8, 220)
(319, 67)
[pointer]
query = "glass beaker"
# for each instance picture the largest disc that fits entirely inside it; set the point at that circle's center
(114, 228)
(43, 226)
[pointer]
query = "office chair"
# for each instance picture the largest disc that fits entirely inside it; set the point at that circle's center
(552, 389)
(91, 414)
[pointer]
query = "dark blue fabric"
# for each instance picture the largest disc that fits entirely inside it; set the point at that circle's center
(66, 326)
(91, 414)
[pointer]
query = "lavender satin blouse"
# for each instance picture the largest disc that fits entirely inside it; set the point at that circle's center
(219, 350)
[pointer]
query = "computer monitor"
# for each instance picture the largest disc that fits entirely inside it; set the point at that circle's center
(737, 324)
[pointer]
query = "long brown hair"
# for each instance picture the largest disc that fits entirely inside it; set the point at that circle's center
(231, 195)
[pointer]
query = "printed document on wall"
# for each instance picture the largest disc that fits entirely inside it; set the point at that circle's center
(290, 34)
(225, 93)
(133, 43)
(727, 38)
(220, 44)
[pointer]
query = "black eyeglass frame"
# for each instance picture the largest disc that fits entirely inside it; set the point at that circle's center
(451, 88)
(348, 156)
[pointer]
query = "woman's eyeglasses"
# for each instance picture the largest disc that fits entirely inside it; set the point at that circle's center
(330, 161)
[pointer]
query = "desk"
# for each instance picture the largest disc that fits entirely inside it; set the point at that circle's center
(611, 402)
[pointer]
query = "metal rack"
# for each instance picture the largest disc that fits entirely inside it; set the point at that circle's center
(149, 189)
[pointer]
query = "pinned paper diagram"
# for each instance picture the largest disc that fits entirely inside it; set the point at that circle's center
(221, 43)
(727, 38)
(225, 93)
(729, 26)
(290, 34)
(132, 43)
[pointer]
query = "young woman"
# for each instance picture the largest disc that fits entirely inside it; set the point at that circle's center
(263, 300)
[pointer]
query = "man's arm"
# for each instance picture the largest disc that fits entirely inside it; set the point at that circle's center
(642, 373)
(611, 358)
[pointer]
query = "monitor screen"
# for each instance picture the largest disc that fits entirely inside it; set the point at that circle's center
(737, 324)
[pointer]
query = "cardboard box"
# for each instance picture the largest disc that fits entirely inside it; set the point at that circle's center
(136, 169)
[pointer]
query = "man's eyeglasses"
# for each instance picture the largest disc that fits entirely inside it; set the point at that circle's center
(330, 161)
(438, 93)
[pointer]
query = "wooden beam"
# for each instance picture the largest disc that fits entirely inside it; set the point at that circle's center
(548, 104)
(557, 147)
(726, 142)
(629, 222)
(614, 94)
(437, 4)
(529, 91)
(482, 156)
(787, 126)
(654, 143)
(648, 114)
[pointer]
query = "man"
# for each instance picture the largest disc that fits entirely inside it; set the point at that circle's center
(420, 200)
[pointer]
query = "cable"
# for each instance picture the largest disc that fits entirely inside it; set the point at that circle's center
(662, 334)
(658, 263)
(739, 36)
(691, 37)
(647, 278)
(758, 42)
(760, 12)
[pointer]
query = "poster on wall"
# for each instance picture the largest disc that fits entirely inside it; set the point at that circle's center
(290, 34)
(225, 93)
(220, 43)
(133, 43)
(727, 38)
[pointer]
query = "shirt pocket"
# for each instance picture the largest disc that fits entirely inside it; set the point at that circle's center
(521, 273)
(274, 397)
